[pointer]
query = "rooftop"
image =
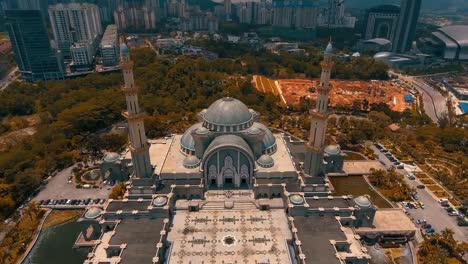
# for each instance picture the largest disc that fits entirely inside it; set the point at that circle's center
(128, 205)
(315, 233)
(140, 237)
(390, 221)
(110, 36)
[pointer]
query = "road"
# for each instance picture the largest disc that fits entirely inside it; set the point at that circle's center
(434, 102)
(433, 212)
(8, 79)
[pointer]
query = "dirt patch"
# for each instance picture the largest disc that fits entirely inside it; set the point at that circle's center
(345, 92)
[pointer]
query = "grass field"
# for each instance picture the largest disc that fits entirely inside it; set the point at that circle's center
(356, 186)
(61, 216)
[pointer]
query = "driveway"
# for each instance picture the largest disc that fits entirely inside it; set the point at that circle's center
(433, 212)
(59, 188)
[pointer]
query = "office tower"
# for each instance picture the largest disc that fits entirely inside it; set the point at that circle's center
(262, 13)
(73, 23)
(382, 21)
(295, 13)
(335, 12)
(227, 9)
(406, 30)
(34, 55)
(110, 46)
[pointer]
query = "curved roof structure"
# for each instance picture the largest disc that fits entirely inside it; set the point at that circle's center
(227, 111)
(329, 48)
(333, 150)
(268, 140)
(93, 213)
(379, 41)
(459, 33)
(191, 161)
(362, 201)
(454, 40)
(187, 141)
(228, 141)
(266, 161)
(111, 157)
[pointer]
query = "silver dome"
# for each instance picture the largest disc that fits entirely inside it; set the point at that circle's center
(227, 111)
(333, 149)
(362, 201)
(266, 161)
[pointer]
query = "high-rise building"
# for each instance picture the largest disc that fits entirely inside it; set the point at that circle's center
(199, 21)
(295, 13)
(110, 46)
(34, 55)
(382, 21)
(406, 30)
(131, 14)
(335, 12)
(245, 12)
(228, 9)
(75, 23)
(139, 145)
(313, 165)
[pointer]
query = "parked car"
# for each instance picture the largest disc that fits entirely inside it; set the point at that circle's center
(453, 213)
(430, 230)
(400, 166)
(421, 186)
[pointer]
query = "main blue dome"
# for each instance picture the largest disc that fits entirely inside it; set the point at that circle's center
(227, 112)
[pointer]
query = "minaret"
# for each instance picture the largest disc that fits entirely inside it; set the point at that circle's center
(315, 147)
(139, 145)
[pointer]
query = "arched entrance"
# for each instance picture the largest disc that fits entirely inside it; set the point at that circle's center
(228, 169)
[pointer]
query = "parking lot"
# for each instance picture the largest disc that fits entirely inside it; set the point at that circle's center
(433, 212)
(58, 188)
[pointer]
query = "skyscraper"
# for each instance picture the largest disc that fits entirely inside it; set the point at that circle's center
(335, 12)
(228, 9)
(34, 55)
(313, 164)
(295, 13)
(75, 23)
(406, 30)
(139, 145)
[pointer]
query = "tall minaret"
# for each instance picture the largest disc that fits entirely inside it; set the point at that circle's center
(318, 127)
(139, 145)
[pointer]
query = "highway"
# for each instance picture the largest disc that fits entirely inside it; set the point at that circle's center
(434, 213)
(434, 102)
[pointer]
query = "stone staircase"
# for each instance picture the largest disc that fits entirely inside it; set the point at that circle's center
(228, 205)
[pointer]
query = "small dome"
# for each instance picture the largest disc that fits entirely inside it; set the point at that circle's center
(124, 50)
(333, 149)
(329, 48)
(254, 130)
(202, 131)
(362, 201)
(111, 157)
(227, 111)
(160, 201)
(296, 199)
(356, 54)
(93, 213)
(191, 162)
(187, 141)
(269, 140)
(266, 161)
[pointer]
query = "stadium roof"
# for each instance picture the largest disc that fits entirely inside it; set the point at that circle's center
(457, 33)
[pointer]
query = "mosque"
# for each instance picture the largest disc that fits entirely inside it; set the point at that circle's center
(229, 190)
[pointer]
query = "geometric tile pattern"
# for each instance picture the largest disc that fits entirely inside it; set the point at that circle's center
(230, 237)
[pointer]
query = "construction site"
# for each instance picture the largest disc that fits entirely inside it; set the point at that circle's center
(290, 91)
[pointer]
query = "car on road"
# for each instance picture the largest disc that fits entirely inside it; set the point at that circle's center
(400, 166)
(421, 186)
